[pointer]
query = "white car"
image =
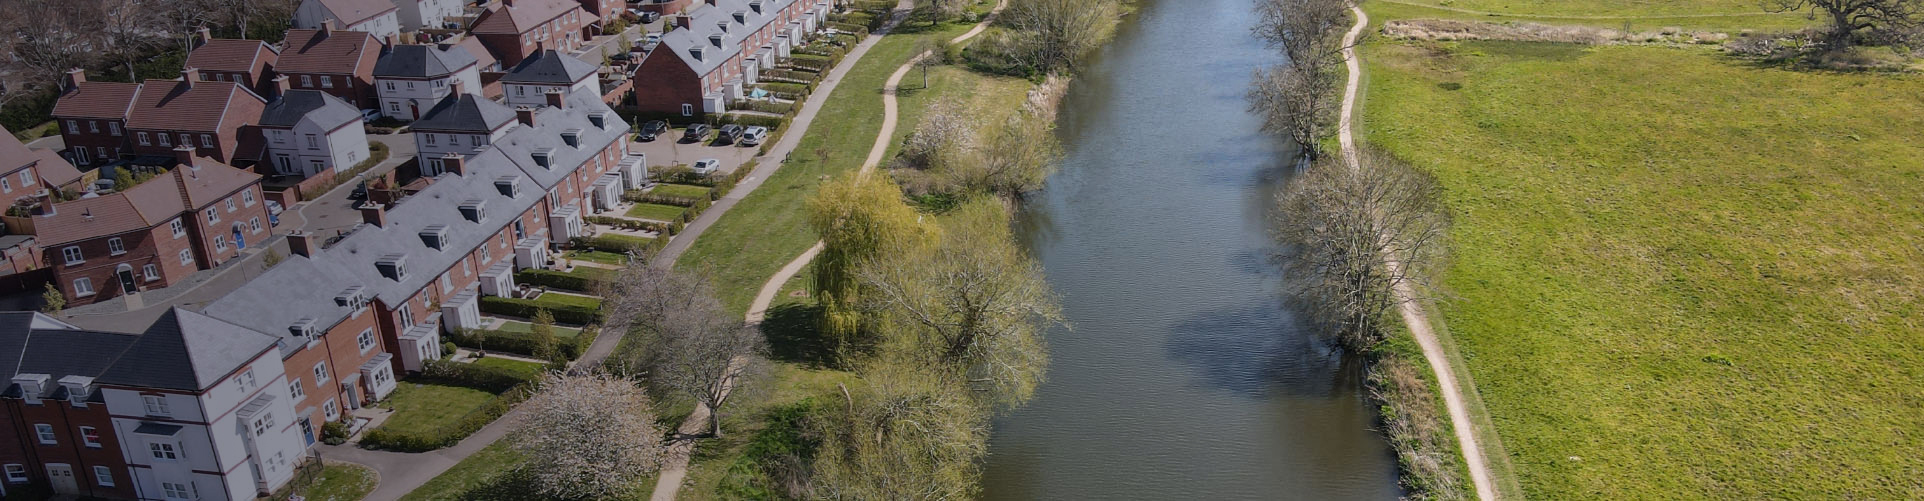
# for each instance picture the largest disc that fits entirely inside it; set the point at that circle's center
(707, 166)
(753, 136)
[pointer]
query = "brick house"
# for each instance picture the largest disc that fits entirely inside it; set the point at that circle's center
(664, 7)
(718, 49)
(215, 118)
(515, 29)
(379, 17)
(24, 172)
(187, 219)
(462, 124)
(61, 432)
(93, 118)
(332, 61)
(250, 62)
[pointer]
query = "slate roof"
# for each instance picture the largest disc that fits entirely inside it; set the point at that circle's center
(54, 349)
(145, 206)
(550, 67)
(202, 106)
(325, 109)
(706, 22)
(315, 51)
(524, 15)
(464, 113)
(97, 100)
(230, 55)
(188, 351)
(422, 61)
(355, 11)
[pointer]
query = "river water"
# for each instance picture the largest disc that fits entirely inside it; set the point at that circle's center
(1183, 376)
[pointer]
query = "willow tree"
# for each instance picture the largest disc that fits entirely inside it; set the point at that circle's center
(899, 434)
(858, 217)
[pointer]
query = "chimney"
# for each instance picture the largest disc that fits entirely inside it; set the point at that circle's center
(191, 76)
(301, 244)
(327, 28)
(525, 114)
(185, 154)
(46, 201)
(713, 3)
(281, 86)
(540, 48)
(457, 88)
(393, 39)
(451, 162)
(75, 77)
(374, 213)
(202, 36)
(555, 99)
(684, 21)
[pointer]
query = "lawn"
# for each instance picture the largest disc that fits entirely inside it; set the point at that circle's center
(680, 190)
(524, 327)
(425, 408)
(564, 299)
(492, 474)
(1675, 273)
(602, 257)
(1725, 16)
(337, 481)
(531, 370)
(658, 212)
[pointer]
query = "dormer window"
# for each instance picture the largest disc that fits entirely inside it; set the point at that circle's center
(600, 121)
(755, 4)
(572, 137)
(303, 328)
(352, 298)
(473, 211)
(723, 25)
(509, 186)
(435, 237)
(741, 17)
(717, 39)
(544, 159)
(393, 267)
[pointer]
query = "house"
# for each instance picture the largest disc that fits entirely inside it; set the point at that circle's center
(664, 7)
(333, 61)
(378, 17)
(602, 10)
(309, 132)
(515, 29)
(462, 124)
(190, 218)
(250, 62)
(24, 172)
(412, 78)
(190, 408)
(215, 118)
(93, 118)
(490, 67)
(431, 14)
(529, 82)
(718, 50)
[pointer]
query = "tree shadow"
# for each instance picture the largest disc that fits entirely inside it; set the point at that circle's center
(793, 336)
(1260, 350)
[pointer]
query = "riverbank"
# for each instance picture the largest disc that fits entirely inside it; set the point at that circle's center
(1675, 271)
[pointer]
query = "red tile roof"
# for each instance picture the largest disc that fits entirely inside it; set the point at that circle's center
(150, 204)
(311, 51)
(55, 170)
(13, 153)
(525, 14)
(15, 156)
(202, 106)
(96, 100)
(482, 57)
(230, 55)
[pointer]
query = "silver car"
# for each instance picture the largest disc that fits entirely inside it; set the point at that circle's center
(707, 166)
(753, 136)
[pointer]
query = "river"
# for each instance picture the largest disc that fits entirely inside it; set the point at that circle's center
(1183, 376)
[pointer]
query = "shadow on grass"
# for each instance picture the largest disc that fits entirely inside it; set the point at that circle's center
(793, 338)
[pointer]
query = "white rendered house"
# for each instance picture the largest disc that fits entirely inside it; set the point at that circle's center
(411, 79)
(529, 83)
(417, 14)
(462, 124)
(308, 132)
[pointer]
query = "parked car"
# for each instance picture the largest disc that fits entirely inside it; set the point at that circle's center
(649, 42)
(729, 134)
(652, 129)
(696, 133)
(707, 166)
(274, 213)
(753, 136)
(359, 193)
(650, 17)
(368, 116)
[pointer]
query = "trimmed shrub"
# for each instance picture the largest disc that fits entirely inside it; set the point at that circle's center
(581, 280)
(628, 224)
(651, 198)
(613, 243)
(334, 433)
(525, 308)
(519, 343)
(779, 108)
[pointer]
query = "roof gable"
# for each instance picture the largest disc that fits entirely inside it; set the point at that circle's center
(422, 61)
(464, 113)
(229, 55)
(97, 100)
(295, 105)
(550, 67)
(524, 15)
(319, 51)
(201, 106)
(352, 12)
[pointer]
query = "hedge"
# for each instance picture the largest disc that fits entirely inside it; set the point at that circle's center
(639, 196)
(776, 107)
(583, 280)
(520, 343)
(614, 243)
(628, 224)
(526, 308)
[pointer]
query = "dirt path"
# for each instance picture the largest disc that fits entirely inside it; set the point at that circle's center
(1413, 313)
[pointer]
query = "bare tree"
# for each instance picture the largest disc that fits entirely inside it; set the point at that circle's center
(1298, 98)
(1888, 19)
(1055, 34)
(1359, 238)
(587, 436)
(1308, 32)
(697, 348)
(946, 130)
(1017, 158)
(127, 32)
(937, 11)
(50, 37)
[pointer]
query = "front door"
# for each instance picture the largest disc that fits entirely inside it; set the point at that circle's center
(126, 276)
(240, 242)
(307, 430)
(62, 477)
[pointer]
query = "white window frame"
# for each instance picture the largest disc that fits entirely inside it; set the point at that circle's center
(150, 271)
(179, 226)
(206, 140)
(186, 257)
(104, 476)
(320, 372)
(73, 255)
(331, 410)
(155, 405)
(83, 287)
(115, 247)
(93, 442)
(114, 128)
(365, 340)
(295, 388)
(17, 473)
(44, 432)
(165, 140)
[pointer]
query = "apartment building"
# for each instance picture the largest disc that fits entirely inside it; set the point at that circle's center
(411, 79)
(718, 49)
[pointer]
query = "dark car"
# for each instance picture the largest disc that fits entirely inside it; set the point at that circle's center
(729, 134)
(696, 133)
(652, 129)
(359, 193)
(650, 17)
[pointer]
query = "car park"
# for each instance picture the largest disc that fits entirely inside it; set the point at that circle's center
(652, 129)
(729, 134)
(707, 166)
(696, 133)
(753, 136)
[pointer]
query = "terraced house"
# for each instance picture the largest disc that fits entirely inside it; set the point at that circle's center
(528, 83)
(250, 62)
(516, 29)
(462, 124)
(216, 119)
(718, 49)
(93, 118)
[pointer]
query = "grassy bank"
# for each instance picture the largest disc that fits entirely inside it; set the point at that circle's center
(1675, 272)
(1724, 16)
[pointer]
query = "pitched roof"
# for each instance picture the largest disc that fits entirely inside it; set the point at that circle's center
(353, 12)
(550, 67)
(184, 350)
(13, 154)
(475, 48)
(422, 61)
(328, 111)
(523, 16)
(230, 55)
(707, 21)
(315, 51)
(144, 206)
(97, 100)
(198, 106)
(34, 344)
(464, 113)
(55, 170)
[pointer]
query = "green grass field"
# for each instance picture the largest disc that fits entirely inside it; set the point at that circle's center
(337, 481)
(530, 369)
(524, 327)
(598, 257)
(658, 212)
(425, 408)
(1675, 273)
(1720, 15)
(680, 190)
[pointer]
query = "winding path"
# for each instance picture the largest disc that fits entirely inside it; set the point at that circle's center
(1412, 311)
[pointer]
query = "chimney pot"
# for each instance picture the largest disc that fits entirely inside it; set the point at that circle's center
(556, 99)
(374, 213)
(457, 88)
(46, 202)
(525, 114)
(327, 27)
(301, 244)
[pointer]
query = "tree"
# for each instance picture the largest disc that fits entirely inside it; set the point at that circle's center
(1298, 98)
(697, 347)
(1887, 19)
(1301, 105)
(858, 217)
(1017, 158)
(937, 11)
(1053, 35)
(126, 33)
(543, 330)
(587, 436)
(1308, 32)
(55, 301)
(1361, 241)
(971, 308)
(901, 435)
(50, 37)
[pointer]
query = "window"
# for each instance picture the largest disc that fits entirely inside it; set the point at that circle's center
(164, 141)
(73, 127)
(104, 476)
(393, 107)
(156, 405)
(320, 372)
(410, 85)
(331, 411)
(186, 257)
(179, 227)
(447, 285)
(212, 216)
(114, 128)
(83, 287)
(45, 432)
(687, 110)
(176, 491)
(390, 86)
(142, 137)
(90, 437)
(151, 272)
(407, 317)
(264, 424)
(280, 136)
(366, 339)
(186, 140)
(246, 381)
(520, 91)
(220, 243)
(254, 225)
(72, 254)
(8, 187)
(474, 140)
(93, 126)
(247, 197)
(16, 473)
(230, 204)
(115, 248)
(297, 390)
(163, 451)
(327, 82)
(307, 80)
(430, 138)
(313, 143)
(206, 140)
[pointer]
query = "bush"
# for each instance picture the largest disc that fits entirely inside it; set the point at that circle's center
(333, 433)
(776, 107)
(519, 343)
(651, 198)
(448, 348)
(480, 377)
(628, 224)
(582, 280)
(525, 308)
(773, 123)
(683, 175)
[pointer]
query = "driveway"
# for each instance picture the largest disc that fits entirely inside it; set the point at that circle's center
(669, 150)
